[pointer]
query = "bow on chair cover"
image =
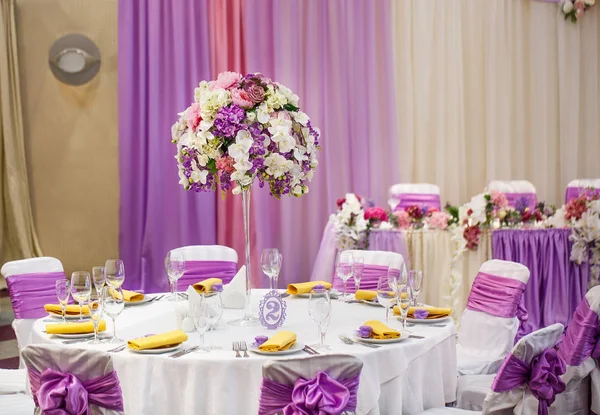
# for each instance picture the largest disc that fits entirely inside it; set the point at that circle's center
(320, 395)
(429, 200)
(542, 377)
(58, 393)
(196, 271)
(29, 292)
(581, 338)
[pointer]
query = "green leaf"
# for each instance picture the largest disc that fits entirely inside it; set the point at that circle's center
(290, 107)
(212, 166)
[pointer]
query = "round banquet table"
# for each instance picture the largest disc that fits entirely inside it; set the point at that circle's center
(403, 377)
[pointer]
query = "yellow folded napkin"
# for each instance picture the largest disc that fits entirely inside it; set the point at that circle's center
(74, 328)
(158, 341)
(367, 295)
(434, 312)
(71, 310)
(206, 285)
(129, 296)
(305, 287)
(283, 340)
(381, 331)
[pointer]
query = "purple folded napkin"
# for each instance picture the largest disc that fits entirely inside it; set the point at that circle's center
(420, 314)
(260, 340)
(365, 331)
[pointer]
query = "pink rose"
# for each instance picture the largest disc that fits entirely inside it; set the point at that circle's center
(193, 116)
(376, 213)
(226, 80)
(225, 164)
(498, 199)
(403, 219)
(255, 92)
(340, 202)
(439, 220)
(241, 98)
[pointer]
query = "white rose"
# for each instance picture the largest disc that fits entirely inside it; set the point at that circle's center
(567, 7)
(300, 117)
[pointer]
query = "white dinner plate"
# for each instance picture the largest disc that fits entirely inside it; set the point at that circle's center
(156, 351)
(403, 336)
(69, 316)
(75, 336)
(296, 347)
(442, 320)
(134, 303)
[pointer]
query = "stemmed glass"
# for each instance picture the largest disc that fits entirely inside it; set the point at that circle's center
(200, 315)
(393, 200)
(359, 266)
(99, 279)
(96, 314)
(214, 312)
(270, 260)
(344, 268)
(416, 279)
(319, 309)
(81, 288)
(394, 277)
(175, 266)
(63, 291)
(112, 305)
(386, 294)
(114, 273)
(404, 301)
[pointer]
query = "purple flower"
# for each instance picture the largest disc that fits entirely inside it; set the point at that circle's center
(522, 203)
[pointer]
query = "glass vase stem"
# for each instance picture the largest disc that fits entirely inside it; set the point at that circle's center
(246, 213)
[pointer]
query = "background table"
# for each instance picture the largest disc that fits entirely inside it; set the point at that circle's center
(403, 377)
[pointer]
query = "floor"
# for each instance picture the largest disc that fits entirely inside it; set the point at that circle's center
(9, 352)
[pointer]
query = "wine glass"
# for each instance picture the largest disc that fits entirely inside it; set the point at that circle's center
(99, 279)
(214, 312)
(200, 315)
(270, 260)
(394, 276)
(386, 295)
(416, 279)
(175, 266)
(359, 266)
(63, 291)
(319, 309)
(112, 305)
(95, 314)
(114, 273)
(404, 301)
(81, 288)
(393, 200)
(344, 268)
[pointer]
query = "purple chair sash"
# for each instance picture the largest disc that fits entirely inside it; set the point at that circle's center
(512, 199)
(575, 192)
(58, 393)
(368, 281)
(196, 271)
(30, 292)
(581, 338)
(430, 200)
(320, 395)
(542, 377)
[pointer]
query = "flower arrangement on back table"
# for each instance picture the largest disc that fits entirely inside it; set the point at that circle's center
(575, 9)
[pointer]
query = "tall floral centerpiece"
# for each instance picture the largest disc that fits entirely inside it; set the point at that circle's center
(240, 129)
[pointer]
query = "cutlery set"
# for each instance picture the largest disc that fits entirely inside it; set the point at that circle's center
(310, 350)
(238, 347)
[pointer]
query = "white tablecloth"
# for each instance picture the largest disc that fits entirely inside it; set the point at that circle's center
(398, 378)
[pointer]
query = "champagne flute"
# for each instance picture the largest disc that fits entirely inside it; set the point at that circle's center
(81, 288)
(270, 260)
(319, 309)
(345, 268)
(386, 295)
(200, 315)
(175, 266)
(404, 301)
(113, 304)
(99, 279)
(416, 278)
(63, 291)
(114, 273)
(95, 314)
(359, 266)
(214, 310)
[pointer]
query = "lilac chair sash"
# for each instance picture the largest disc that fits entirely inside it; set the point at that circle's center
(58, 393)
(196, 271)
(368, 281)
(320, 395)
(30, 292)
(581, 338)
(542, 377)
(512, 199)
(575, 192)
(430, 200)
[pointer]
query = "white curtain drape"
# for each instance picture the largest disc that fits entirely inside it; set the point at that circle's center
(496, 89)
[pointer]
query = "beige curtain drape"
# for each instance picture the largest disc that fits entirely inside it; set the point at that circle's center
(18, 238)
(496, 89)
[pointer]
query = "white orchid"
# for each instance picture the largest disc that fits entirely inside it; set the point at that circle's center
(277, 165)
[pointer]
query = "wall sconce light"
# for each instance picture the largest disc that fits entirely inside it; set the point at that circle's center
(74, 59)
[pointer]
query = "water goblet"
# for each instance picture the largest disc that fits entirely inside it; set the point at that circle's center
(344, 269)
(394, 277)
(393, 200)
(96, 311)
(416, 279)
(319, 309)
(359, 266)
(270, 260)
(214, 313)
(63, 291)
(113, 304)
(386, 295)
(404, 301)
(175, 266)
(200, 316)
(81, 288)
(98, 279)
(114, 273)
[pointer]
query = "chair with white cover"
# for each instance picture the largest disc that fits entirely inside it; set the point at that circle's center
(16, 404)
(207, 261)
(332, 381)
(31, 284)
(403, 195)
(529, 380)
(57, 374)
(376, 264)
(492, 318)
(576, 187)
(515, 190)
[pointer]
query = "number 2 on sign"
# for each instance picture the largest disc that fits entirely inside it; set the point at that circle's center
(273, 308)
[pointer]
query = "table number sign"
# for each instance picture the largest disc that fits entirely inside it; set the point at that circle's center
(272, 310)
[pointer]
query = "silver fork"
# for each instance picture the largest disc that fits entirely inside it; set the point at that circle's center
(118, 349)
(348, 340)
(236, 349)
(184, 352)
(244, 348)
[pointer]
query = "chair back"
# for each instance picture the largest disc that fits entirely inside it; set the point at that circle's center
(58, 374)
(376, 264)
(516, 191)
(330, 381)
(207, 261)
(416, 194)
(581, 186)
(494, 312)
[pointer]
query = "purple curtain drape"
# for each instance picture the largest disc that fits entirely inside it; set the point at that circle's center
(163, 54)
(337, 56)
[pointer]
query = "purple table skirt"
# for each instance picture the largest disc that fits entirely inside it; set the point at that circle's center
(556, 285)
